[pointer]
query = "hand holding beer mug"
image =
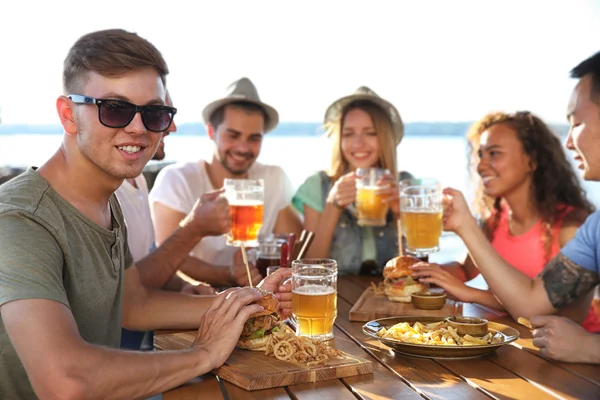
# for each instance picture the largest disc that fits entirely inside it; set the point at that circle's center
(421, 208)
(246, 205)
(314, 297)
(370, 204)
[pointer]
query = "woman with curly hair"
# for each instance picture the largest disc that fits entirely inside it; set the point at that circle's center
(528, 199)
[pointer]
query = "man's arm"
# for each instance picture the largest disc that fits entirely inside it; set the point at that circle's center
(200, 270)
(157, 268)
(147, 309)
(60, 364)
(209, 217)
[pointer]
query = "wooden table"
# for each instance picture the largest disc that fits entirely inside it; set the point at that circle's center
(515, 371)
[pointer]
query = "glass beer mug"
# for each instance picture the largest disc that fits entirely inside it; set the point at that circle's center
(314, 297)
(268, 253)
(372, 210)
(421, 208)
(246, 205)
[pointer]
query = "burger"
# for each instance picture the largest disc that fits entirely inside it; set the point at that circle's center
(398, 284)
(259, 326)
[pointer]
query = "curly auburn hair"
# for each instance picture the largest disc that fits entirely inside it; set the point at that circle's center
(554, 184)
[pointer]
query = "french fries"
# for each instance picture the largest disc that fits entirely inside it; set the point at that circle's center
(436, 334)
(525, 322)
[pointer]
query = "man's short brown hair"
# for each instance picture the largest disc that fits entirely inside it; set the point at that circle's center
(218, 116)
(110, 53)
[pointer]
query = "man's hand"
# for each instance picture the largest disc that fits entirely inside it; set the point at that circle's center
(561, 339)
(222, 324)
(239, 273)
(199, 288)
(275, 283)
(210, 215)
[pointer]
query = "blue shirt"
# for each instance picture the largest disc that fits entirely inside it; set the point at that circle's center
(584, 248)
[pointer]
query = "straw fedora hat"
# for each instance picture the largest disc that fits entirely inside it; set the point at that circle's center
(242, 90)
(363, 93)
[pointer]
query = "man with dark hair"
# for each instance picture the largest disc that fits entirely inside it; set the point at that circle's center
(236, 123)
(67, 278)
(568, 280)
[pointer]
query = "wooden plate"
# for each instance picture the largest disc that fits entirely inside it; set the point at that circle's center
(432, 351)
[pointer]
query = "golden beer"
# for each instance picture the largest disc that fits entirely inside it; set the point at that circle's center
(370, 206)
(315, 308)
(246, 221)
(422, 229)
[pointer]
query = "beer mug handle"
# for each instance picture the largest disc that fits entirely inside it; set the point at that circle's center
(291, 321)
(286, 280)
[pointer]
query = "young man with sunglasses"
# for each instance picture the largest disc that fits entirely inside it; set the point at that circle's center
(236, 123)
(567, 282)
(67, 279)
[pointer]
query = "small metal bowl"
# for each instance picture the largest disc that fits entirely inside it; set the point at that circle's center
(428, 300)
(469, 325)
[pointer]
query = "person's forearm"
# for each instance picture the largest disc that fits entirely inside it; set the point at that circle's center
(321, 243)
(159, 309)
(514, 289)
(456, 269)
(102, 373)
(591, 354)
(175, 284)
(485, 298)
(200, 270)
(159, 266)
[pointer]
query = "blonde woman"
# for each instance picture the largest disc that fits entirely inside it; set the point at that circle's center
(365, 130)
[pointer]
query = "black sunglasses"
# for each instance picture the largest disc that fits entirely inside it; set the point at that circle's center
(119, 113)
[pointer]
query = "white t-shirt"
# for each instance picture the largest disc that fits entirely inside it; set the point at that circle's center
(136, 211)
(179, 186)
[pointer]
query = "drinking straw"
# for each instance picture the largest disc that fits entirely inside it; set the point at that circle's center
(309, 238)
(245, 257)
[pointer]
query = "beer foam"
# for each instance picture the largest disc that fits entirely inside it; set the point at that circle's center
(246, 203)
(314, 290)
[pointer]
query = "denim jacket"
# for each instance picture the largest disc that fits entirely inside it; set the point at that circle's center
(347, 243)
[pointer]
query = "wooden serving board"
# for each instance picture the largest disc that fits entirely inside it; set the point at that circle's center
(253, 370)
(372, 306)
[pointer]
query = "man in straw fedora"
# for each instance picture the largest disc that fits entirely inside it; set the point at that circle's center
(365, 129)
(236, 123)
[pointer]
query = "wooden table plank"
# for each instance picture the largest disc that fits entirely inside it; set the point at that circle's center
(553, 378)
(424, 375)
(494, 379)
(332, 389)
(206, 387)
(237, 393)
(381, 383)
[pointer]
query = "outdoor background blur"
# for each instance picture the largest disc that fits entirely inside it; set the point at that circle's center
(443, 64)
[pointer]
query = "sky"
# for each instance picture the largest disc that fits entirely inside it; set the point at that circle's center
(435, 60)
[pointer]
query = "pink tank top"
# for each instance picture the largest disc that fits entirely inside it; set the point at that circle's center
(526, 252)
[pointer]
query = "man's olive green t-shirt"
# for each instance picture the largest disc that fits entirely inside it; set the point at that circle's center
(49, 250)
